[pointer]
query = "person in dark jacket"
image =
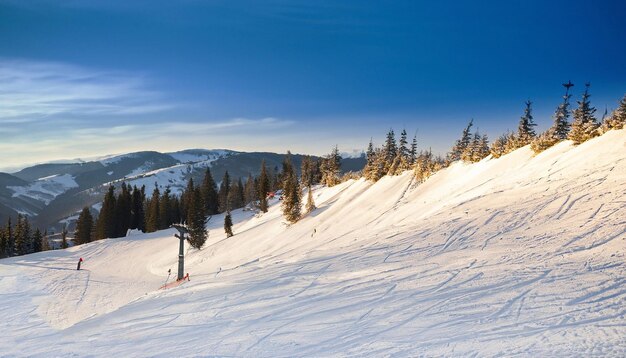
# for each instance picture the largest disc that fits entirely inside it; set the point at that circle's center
(79, 262)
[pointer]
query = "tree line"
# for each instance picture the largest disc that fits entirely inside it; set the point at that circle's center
(395, 157)
(132, 209)
(20, 238)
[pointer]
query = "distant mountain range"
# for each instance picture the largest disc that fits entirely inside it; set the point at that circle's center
(52, 192)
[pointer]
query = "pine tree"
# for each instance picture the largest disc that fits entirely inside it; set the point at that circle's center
(64, 243)
(209, 193)
(184, 198)
(559, 129)
(307, 171)
(165, 209)
(620, 114)
(413, 152)
(403, 150)
(10, 237)
(235, 195)
(196, 219)
(22, 236)
(499, 146)
(585, 124)
(477, 150)
(291, 193)
(138, 216)
(250, 192)
(561, 126)
(461, 144)
(525, 130)
(123, 211)
(331, 167)
(153, 212)
(106, 227)
(617, 119)
(223, 193)
(264, 188)
(36, 239)
(228, 225)
(3, 243)
(310, 204)
(175, 210)
(483, 149)
(423, 167)
(84, 226)
(390, 149)
(370, 167)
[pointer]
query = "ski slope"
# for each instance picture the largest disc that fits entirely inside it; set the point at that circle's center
(519, 256)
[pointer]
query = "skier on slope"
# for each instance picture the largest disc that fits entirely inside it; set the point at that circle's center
(79, 262)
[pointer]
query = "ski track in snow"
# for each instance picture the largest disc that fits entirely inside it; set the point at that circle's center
(520, 256)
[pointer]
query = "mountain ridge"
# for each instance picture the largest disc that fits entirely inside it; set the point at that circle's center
(50, 192)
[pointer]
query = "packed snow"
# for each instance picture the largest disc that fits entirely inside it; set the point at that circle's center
(522, 255)
(45, 189)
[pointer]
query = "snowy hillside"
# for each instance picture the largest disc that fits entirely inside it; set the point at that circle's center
(52, 193)
(176, 176)
(523, 255)
(45, 189)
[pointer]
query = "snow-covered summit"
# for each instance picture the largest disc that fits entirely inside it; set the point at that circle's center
(200, 155)
(522, 255)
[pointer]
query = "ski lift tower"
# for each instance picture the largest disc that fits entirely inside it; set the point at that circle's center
(182, 232)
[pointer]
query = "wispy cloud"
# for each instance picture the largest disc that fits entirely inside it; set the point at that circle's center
(32, 90)
(77, 140)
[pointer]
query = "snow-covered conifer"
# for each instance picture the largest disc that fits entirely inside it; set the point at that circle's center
(617, 119)
(390, 149)
(403, 149)
(461, 144)
(585, 125)
(413, 151)
(525, 130)
(330, 168)
(291, 193)
(310, 204)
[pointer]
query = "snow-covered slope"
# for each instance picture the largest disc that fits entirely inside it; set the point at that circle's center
(523, 255)
(45, 189)
(175, 177)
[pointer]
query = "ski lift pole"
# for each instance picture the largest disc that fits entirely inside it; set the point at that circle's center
(182, 231)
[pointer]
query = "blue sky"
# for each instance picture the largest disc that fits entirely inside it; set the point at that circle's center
(86, 78)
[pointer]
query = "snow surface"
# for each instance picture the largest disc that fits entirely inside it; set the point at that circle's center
(114, 158)
(199, 155)
(45, 189)
(174, 176)
(523, 255)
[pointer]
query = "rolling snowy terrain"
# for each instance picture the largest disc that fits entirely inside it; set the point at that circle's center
(522, 255)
